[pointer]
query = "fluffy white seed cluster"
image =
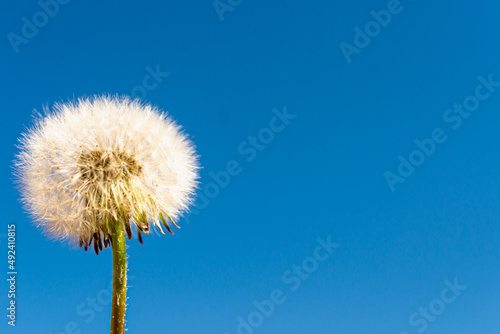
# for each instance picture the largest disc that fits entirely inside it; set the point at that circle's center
(100, 161)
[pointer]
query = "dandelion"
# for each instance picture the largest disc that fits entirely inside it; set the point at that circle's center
(92, 169)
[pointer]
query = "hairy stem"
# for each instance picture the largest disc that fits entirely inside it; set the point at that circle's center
(119, 279)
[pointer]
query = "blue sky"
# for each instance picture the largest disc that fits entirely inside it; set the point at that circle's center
(419, 256)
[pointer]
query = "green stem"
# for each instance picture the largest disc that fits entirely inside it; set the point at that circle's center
(119, 279)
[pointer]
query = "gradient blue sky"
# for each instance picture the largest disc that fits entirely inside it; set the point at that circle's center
(323, 175)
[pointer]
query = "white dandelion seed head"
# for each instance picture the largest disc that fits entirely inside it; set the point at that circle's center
(97, 161)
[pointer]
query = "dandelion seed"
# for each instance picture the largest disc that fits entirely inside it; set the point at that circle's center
(100, 160)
